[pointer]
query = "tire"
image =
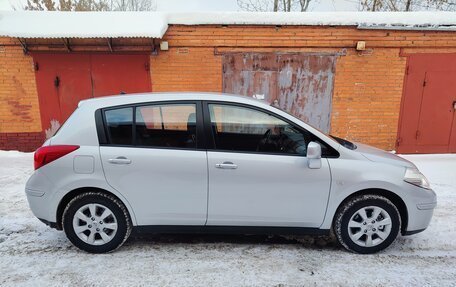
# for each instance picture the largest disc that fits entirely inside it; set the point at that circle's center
(96, 222)
(358, 230)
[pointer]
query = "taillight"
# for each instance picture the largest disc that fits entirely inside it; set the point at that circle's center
(47, 154)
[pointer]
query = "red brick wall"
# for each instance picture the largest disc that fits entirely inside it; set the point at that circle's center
(19, 108)
(367, 89)
(21, 141)
(367, 96)
(186, 69)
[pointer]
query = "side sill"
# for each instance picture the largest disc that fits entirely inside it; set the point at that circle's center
(411, 232)
(251, 230)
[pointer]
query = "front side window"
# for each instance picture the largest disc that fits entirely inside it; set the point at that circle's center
(119, 124)
(168, 125)
(238, 128)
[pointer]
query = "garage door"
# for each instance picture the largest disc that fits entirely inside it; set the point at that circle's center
(302, 83)
(428, 118)
(65, 79)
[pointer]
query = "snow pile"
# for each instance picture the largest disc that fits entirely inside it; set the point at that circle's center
(32, 254)
(47, 24)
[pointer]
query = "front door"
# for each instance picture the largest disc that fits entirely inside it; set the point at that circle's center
(258, 171)
(157, 162)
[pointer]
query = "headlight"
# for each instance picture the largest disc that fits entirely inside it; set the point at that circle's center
(415, 177)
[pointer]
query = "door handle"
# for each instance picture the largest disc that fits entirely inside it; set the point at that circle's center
(226, 165)
(119, 160)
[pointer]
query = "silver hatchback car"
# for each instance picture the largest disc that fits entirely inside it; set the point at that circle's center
(216, 163)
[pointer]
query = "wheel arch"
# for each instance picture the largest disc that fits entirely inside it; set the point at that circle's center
(393, 197)
(75, 192)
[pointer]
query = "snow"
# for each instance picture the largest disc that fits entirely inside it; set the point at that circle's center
(32, 254)
(46, 24)
(364, 19)
(51, 24)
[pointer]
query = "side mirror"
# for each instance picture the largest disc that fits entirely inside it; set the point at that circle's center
(314, 155)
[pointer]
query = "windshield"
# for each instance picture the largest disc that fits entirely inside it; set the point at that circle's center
(344, 142)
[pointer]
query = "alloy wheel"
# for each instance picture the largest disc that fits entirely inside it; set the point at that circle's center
(95, 224)
(369, 226)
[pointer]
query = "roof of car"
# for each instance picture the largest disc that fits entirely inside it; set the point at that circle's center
(126, 99)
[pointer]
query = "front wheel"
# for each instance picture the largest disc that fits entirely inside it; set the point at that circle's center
(96, 222)
(367, 224)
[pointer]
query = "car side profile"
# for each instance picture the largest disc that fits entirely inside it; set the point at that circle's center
(218, 163)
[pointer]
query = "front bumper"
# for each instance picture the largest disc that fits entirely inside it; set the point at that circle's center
(420, 205)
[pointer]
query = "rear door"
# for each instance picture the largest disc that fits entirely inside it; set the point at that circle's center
(154, 158)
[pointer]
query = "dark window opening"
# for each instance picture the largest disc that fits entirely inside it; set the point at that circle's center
(120, 125)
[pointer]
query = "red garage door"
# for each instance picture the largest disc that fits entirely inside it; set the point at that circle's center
(65, 79)
(428, 117)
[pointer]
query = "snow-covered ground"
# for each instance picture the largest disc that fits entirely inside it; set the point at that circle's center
(32, 254)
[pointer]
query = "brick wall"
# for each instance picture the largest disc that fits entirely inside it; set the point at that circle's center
(19, 108)
(186, 69)
(367, 96)
(367, 89)
(21, 141)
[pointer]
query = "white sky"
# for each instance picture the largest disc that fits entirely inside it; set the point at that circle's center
(218, 5)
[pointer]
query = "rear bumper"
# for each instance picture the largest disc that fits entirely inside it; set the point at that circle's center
(38, 191)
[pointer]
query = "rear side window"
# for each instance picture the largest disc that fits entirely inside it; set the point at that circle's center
(170, 125)
(166, 125)
(119, 123)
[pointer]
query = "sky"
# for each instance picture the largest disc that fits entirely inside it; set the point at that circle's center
(218, 5)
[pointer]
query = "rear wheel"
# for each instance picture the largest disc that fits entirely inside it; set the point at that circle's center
(367, 224)
(96, 222)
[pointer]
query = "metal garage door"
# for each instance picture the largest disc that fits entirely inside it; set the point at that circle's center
(65, 79)
(302, 83)
(428, 119)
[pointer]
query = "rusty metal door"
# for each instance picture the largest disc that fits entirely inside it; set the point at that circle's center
(302, 83)
(65, 79)
(428, 116)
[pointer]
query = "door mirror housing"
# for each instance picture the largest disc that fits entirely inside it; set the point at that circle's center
(314, 155)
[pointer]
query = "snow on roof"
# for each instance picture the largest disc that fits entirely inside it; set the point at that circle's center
(46, 24)
(39, 24)
(384, 19)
